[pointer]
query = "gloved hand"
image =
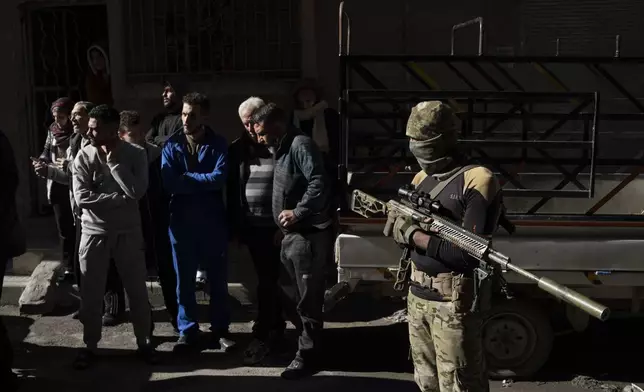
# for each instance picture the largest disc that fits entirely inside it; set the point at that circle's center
(403, 230)
(389, 226)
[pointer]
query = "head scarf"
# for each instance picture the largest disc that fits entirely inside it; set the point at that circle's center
(62, 134)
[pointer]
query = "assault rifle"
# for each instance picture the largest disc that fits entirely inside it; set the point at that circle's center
(421, 208)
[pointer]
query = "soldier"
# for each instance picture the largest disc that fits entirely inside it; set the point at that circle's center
(443, 311)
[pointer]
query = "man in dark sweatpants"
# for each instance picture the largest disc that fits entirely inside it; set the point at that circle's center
(11, 245)
(154, 213)
(194, 171)
(301, 203)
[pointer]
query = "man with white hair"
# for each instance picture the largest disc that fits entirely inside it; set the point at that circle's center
(249, 190)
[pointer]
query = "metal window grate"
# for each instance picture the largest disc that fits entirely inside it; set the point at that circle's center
(212, 36)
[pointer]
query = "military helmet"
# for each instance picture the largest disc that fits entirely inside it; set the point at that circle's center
(431, 119)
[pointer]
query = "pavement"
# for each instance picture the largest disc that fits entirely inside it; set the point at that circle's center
(364, 350)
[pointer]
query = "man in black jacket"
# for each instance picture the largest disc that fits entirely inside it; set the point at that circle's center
(301, 210)
(167, 122)
(12, 244)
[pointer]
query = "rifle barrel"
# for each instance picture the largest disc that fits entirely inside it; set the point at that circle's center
(565, 294)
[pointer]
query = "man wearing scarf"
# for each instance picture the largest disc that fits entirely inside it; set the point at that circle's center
(167, 122)
(54, 153)
(61, 172)
(443, 311)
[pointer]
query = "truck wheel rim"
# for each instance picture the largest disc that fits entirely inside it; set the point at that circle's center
(508, 339)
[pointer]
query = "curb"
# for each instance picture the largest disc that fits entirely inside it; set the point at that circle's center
(13, 286)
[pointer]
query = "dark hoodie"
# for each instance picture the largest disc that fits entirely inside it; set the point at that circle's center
(167, 122)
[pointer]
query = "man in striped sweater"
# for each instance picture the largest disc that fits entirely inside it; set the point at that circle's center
(249, 198)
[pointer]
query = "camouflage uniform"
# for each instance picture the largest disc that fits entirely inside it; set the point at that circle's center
(444, 331)
(446, 346)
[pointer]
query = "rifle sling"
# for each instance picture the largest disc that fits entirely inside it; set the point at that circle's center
(443, 184)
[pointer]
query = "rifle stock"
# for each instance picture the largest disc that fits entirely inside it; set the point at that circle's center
(421, 209)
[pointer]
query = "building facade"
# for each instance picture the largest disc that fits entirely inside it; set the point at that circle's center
(231, 49)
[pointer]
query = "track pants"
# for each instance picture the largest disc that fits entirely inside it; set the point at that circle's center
(205, 245)
(129, 257)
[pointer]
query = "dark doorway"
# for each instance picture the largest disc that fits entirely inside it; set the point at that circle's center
(58, 38)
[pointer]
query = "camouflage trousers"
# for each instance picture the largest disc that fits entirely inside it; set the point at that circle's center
(446, 347)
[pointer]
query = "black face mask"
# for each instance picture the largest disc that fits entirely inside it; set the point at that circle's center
(432, 155)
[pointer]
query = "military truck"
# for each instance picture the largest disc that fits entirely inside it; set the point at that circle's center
(563, 136)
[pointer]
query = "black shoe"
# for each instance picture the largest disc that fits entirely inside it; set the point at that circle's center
(148, 354)
(296, 370)
(67, 276)
(112, 320)
(187, 343)
(84, 359)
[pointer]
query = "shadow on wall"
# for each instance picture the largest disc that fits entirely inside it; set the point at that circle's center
(627, 201)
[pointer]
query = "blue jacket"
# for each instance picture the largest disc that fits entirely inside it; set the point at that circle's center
(195, 185)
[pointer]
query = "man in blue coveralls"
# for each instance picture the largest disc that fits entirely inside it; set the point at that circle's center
(194, 173)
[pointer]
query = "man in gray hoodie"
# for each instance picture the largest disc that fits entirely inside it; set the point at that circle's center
(110, 177)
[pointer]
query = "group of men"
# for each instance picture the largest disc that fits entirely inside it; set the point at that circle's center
(270, 190)
(172, 199)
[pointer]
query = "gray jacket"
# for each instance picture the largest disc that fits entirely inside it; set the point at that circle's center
(300, 183)
(108, 191)
(65, 177)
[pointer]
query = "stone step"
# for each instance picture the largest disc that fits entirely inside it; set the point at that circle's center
(25, 264)
(14, 285)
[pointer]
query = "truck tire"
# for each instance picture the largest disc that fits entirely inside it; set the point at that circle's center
(517, 339)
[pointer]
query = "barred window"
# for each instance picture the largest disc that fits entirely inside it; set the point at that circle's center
(212, 36)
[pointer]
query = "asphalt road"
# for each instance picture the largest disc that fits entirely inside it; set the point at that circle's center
(365, 355)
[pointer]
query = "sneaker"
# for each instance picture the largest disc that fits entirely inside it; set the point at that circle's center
(296, 370)
(84, 359)
(186, 343)
(148, 354)
(257, 350)
(221, 340)
(201, 280)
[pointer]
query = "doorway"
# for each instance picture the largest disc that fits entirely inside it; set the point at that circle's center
(56, 40)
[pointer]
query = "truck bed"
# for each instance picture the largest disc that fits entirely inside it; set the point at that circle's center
(575, 250)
